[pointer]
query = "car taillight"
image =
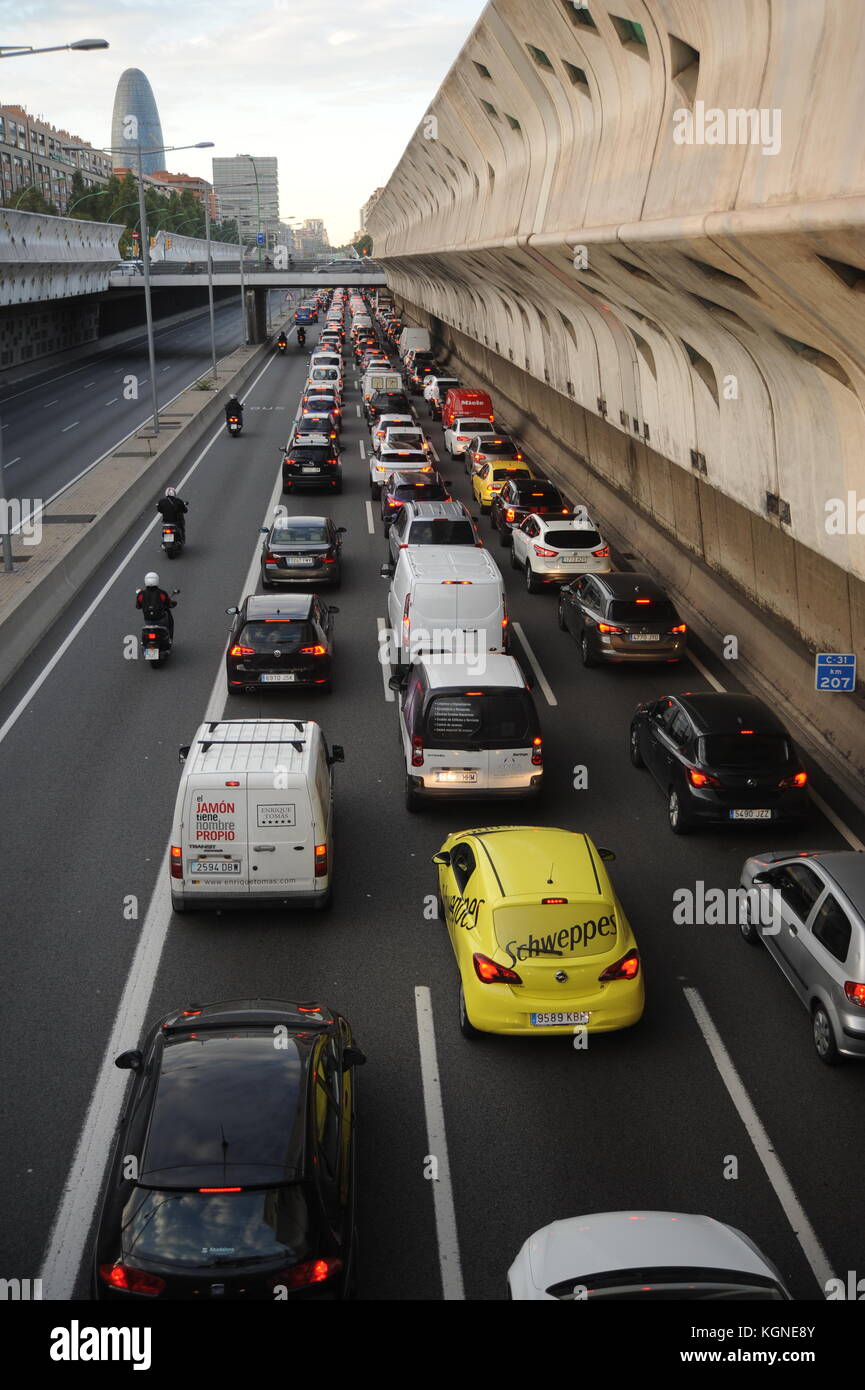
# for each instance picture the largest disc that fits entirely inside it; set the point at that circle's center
(855, 993)
(797, 780)
(702, 779)
(417, 751)
(309, 1272)
(607, 627)
(242, 651)
(680, 627)
(504, 616)
(317, 650)
(270, 558)
(328, 559)
(602, 553)
(463, 438)
(537, 752)
(131, 1280)
(543, 551)
(628, 968)
(150, 636)
(492, 974)
(320, 861)
(509, 516)
(176, 861)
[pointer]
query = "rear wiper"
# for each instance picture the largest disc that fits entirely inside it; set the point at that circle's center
(544, 951)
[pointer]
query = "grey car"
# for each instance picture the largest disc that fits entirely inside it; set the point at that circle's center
(301, 550)
(809, 912)
(431, 523)
(620, 616)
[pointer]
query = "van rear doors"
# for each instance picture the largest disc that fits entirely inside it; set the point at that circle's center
(282, 835)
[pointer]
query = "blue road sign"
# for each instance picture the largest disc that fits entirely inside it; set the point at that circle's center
(260, 238)
(835, 671)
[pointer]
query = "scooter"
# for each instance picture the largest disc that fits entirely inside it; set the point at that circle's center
(282, 345)
(301, 337)
(235, 425)
(156, 640)
(172, 539)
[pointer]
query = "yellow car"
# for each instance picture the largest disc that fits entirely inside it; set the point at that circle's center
(541, 941)
(491, 478)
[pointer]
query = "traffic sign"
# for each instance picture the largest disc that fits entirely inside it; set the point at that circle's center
(260, 238)
(835, 671)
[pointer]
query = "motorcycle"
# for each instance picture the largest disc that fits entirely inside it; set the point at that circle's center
(234, 424)
(156, 640)
(172, 539)
(282, 345)
(301, 337)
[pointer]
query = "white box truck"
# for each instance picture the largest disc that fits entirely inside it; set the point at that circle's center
(418, 338)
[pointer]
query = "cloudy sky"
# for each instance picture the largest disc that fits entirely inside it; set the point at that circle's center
(333, 88)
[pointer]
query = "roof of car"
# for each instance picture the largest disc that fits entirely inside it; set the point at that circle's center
(622, 584)
(410, 479)
(536, 860)
(432, 511)
(499, 672)
(725, 712)
(847, 868)
(281, 606)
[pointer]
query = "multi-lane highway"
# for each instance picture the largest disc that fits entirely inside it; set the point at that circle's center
(692, 1110)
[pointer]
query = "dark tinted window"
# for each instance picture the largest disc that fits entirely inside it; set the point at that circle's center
(499, 474)
(745, 750)
(441, 531)
(500, 719)
(286, 635)
(393, 402)
(571, 540)
(463, 863)
(395, 439)
(799, 887)
(419, 492)
(314, 424)
(627, 610)
(832, 927)
(310, 453)
(193, 1228)
(503, 448)
(529, 493)
(300, 533)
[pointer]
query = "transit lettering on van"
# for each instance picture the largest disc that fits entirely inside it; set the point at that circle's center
(563, 942)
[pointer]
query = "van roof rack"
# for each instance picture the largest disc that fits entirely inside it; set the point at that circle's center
(208, 743)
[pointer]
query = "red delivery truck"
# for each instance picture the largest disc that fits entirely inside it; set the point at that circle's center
(461, 403)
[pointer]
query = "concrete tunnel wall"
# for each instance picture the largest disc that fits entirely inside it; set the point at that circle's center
(710, 358)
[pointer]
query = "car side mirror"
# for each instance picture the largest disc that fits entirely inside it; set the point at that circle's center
(386, 571)
(232, 610)
(353, 1057)
(605, 853)
(337, 754)
(341, 530)
(761, 879)
(398, 683)
(183, 753)
(129, 1061)
(262, 530)
(443, 858)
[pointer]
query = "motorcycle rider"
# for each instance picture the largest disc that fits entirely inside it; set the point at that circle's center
(233, 407)
(301, 336)
(173, 510)
(282, 341)
(155, 603)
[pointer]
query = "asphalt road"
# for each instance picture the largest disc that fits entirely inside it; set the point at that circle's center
(535, 1129)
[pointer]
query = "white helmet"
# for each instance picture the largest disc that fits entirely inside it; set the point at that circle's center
(169, 492)
(151, 580)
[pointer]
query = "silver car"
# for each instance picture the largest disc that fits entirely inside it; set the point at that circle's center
(809, 911)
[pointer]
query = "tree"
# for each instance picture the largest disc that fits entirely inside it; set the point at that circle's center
(364, 246)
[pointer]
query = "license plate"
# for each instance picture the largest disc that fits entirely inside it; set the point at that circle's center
(215, 866)
(559, 1020)
(310, 470)
(566, 557)
(168, 535)
(283, 677)
(294, 560)
(644, 636)
(456, 777)
(750, 815)
(151, 653)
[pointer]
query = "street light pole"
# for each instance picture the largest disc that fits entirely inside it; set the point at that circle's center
(210, 287)
(244, 324)
(148, 309)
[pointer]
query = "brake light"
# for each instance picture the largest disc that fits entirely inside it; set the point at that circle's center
(417, 751)
(490, 973)
(798, 779)
(151, 636)
(538, 757)
(310, 1272)
(242, 651)
(220, 1189)
(543, 551)
(602, 553)
(176, 861)
(320, 861)
(270, 558)
(510, 514)
(702, 779)
(405, 618)
(628, 968)
(680, 627)
(855, 993)
(463, 438)
(131, 1280)
(317, 650)
(607, 627)
(504, 616)
(328, 559)
(553, 902)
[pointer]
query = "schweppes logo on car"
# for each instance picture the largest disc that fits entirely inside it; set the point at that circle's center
(566, 942)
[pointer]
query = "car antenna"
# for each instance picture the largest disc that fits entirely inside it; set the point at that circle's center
(550, 879)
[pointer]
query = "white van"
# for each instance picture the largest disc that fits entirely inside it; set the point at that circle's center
(418, 338)
(465, 736)
(380, 379)
(253, 821)
(446, 600)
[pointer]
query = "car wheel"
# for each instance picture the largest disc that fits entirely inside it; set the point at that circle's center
(322, 904)
(533, 584)
(586, 655)
(515, 564)
(560, 614)
(375, 491)
(634, 746)
(679, 823)
(411, 797)
(177, 905)
(466, 1028)
(749, 930)
(267, 583)
(505, 538)
(823, 1035)
(234, 693)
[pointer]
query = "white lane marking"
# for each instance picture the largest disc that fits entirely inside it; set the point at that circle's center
(87, 385)
(166, 369)
(542, 680)
(823, 806)
(74, 1217)
(48, 403)
(793, 1210)
(385, 668)
(443, 1197)
(11, 461)
(360, 445)
(61, 651)
(70, 427)
(113, 400)
(370, 519)
(357, 408)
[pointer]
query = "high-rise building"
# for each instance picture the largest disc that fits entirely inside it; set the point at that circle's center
(247, 192)
(34, 154)
(312, 237)
(367, 209)
(178, 183)
(135, 123)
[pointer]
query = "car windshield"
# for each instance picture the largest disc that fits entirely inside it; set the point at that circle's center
(287, 634)
(498, 719)
(299, 533)
(571, 540)
(744, 750)
(441, 530)
(207, 1229)
(629, 610)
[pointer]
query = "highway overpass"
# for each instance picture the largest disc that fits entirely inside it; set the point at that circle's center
(642, 224)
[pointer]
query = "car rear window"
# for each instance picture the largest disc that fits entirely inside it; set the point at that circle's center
(537, 492)
(499, 474)
(395, 402)
(627, 610)
(472, 426)
(212, 1229)
(494, 719)
(397, 438)
(294, 532)
(498, 448)
(572, 540)
(310, 453)
(441, 530)
(419, 492)
(313, 424)
(744, 750)
(285, 633)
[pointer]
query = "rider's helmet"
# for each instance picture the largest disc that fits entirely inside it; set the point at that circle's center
(151, 580)
(169, 492)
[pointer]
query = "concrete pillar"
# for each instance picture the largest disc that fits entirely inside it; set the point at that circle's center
(256, 315)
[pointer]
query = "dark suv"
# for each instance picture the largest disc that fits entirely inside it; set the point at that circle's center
(241, 1119)
(312, 465)
(280, 642)
(621, 617)
(386, 403)
(519, 498)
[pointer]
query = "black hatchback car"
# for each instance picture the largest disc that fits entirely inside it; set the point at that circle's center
(619, 616)
(313, 465)
(280, 641)
(719, 758)
(241, 1124)
(521, 497)
(386, 403)
(399, 488)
